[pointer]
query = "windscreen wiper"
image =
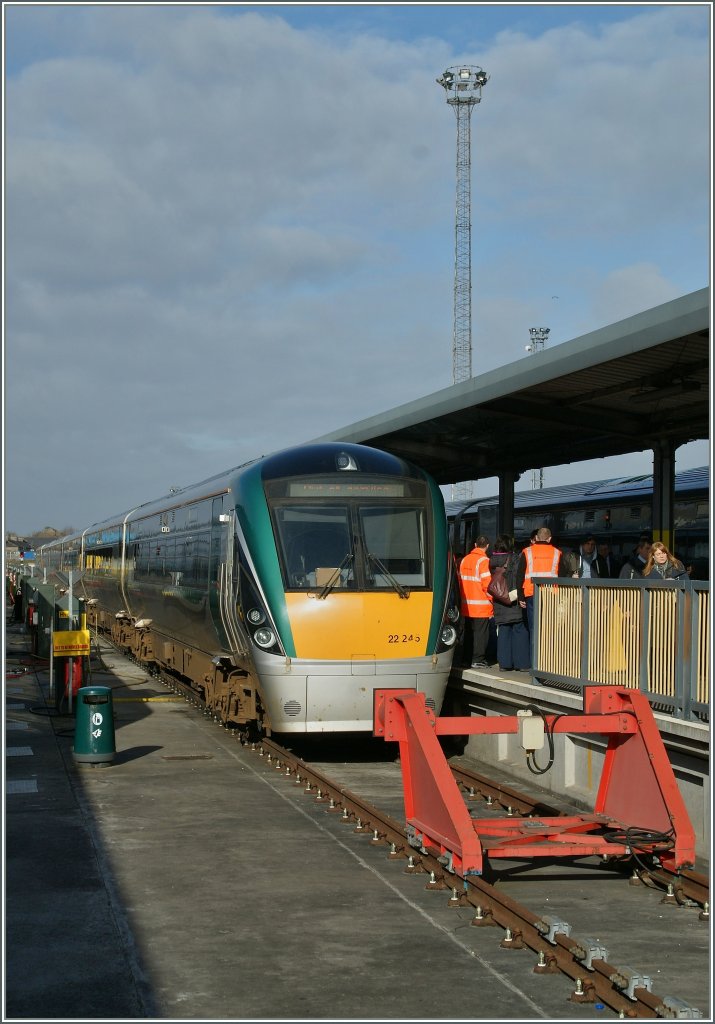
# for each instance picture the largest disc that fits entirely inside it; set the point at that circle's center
(386, 572)
(333, 581)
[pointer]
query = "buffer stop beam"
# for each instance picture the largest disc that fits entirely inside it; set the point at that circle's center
(638, 806)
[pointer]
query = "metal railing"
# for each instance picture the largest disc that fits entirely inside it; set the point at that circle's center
(642, 634)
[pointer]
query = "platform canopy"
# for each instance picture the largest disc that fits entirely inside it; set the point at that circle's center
(641, 383)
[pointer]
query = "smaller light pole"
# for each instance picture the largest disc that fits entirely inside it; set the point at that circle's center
(539, 337)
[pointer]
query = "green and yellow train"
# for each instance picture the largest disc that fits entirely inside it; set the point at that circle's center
(284, 591)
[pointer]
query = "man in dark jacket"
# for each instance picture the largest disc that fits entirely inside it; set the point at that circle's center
(581, 564)
(607, 564)
(633, 569)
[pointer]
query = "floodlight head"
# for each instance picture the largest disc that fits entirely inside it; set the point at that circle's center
(464, 78)
(446, 80)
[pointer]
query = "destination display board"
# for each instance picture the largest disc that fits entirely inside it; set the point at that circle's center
(346, 489)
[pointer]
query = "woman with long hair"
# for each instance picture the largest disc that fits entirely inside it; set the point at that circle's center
(663, 565)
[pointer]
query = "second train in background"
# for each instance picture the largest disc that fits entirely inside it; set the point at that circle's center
(616, 511)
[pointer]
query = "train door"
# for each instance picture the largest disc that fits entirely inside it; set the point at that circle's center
(217, 547)
(223, 573)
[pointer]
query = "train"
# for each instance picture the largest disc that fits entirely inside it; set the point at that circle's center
(616, 510)
(283, 591)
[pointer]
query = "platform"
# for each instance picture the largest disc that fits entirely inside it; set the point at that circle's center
(190, 880)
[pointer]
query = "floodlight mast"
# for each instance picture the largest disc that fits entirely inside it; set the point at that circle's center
(463, 86)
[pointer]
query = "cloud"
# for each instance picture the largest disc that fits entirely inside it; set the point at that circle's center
(628, 290)
(225, 234)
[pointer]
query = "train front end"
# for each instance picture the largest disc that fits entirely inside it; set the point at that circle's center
(350, 549)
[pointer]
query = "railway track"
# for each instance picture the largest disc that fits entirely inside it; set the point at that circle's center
(686, 888)
(596, 980)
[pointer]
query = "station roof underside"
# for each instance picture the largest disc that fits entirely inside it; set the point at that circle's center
(634, 385)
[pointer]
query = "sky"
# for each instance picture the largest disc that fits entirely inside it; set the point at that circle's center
(230, 228)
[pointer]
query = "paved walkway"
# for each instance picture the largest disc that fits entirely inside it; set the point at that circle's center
(187, 881)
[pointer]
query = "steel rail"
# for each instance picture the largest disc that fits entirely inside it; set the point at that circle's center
(477, 785)
(686, 887)
(596, 980)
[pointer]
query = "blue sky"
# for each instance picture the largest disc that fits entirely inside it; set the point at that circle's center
(230, 228)
(35, 39)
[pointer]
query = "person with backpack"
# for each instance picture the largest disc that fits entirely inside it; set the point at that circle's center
(513, 652)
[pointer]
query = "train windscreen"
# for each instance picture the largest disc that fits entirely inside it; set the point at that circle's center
(394, 545)
(359, 543)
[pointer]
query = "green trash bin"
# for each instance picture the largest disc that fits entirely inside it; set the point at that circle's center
(94, 726)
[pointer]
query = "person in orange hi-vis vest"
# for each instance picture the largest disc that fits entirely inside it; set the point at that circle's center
(541, 558)
(474, 578)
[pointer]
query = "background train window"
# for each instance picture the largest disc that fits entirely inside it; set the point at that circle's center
(488, 525)
(71, 554)
(99, 561)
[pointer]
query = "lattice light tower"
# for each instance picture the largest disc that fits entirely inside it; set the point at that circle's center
(463, 86)
(539, 337)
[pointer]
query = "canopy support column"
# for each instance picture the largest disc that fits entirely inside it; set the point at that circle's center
(663, 516)
(505, 516)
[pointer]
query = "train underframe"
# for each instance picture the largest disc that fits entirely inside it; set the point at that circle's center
(305, 696)
(231, 694)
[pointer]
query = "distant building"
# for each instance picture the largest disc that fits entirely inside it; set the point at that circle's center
(45, 534)
(12, 552)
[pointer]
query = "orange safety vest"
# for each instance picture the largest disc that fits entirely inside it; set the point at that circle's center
(541, 560)
(474, 578)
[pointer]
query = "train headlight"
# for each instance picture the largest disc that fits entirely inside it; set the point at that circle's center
(264, 637)
(453, 614)
(345, 461)
(448, 635)
(255, 616)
